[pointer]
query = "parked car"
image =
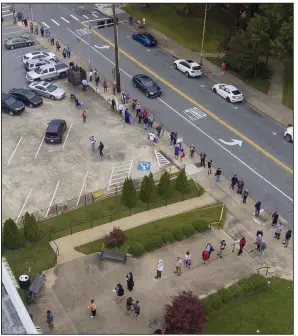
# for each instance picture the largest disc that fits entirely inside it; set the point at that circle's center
(18, 42)
(55, 131)
(229, 92)
(146, 85)
(36, 63)
(189, 67)
(28, 97)
(48, 90)
(10, 105)
(289, 133)
(146, 39)
(48, 72)
(39, 55)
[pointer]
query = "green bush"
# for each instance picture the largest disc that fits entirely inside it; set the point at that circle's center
(136, 249)
(157, 241)
(181, 182)
(188, 230)
(129, 194)
(30, 227)
(215, 301)
(11, 236)
(237, 291)
(247, 285)
(259, 281)
(164, 185)
(178, 234)
(167, 237)
(207, 306)
(225, 295)
(148, 244)
(200, 225)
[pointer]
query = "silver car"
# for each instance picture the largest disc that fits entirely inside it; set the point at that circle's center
(34, 64)
(47, 89)
(18, 42)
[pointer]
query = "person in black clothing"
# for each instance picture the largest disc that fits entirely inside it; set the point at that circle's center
(240, 185)
(257, 208)
(129, 281)
(245, 195)
(100, 148)
(119, 291)
(113, 104)
(259, 232)
(287, 238)
(275, 216)
(159, 129)
(175, 136)
(42, 31)
(217, 175)
(234, 181)
(209, 167)
(203, 158)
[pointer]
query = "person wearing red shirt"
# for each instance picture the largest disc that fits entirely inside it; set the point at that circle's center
(242, 243)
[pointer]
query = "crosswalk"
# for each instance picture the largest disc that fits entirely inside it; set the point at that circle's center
(6, 10)
(71, 17)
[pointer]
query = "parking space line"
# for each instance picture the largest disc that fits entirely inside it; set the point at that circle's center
(39, 148)
(95, 15)
(4, 11)
(74, 17)
(14, 32)
(48, 102)
(85, 16)
(58, 24)
(7, 14)
(15, 150)
(82, 189)
(67, 135)
(45, 24)
(5, 7)
(10, 27)
(52, 198)
(24, 205)
(64, 19)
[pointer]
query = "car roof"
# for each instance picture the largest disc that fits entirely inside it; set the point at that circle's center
(145, 77)
(231, 87)
(36, 60)
(57, 121)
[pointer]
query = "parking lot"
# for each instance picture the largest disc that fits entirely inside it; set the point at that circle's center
(37, 175)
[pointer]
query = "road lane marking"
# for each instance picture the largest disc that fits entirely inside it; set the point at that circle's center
(10, 27)
(39, 148)
(214, 116)
(4, 11)
(14, 32)
(85, 16)
(225, 149)
(15, 150)
(5, 7)
(82, 189)
(7, 14)
(58, 24)
(74, 17)
(24, 205)
(45, 24)
(67, 135)
(52, 198)
(195, 113)
(64, 19)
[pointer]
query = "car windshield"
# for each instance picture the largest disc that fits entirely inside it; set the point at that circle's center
(149, 36)
(38, 70)
(10, 101)
(236, 92)
(29, 94)
(51, 88)
(148, 83)
(197, 67)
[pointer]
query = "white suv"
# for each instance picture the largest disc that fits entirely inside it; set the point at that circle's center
(189, 67)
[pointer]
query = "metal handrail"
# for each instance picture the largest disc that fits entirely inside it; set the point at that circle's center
(267, 268)
(57, 248)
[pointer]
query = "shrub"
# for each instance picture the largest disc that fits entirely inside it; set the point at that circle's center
(237, 291)
(129, 194)
(136, 249)
(167, 237)
(12, 238)
(30, 227)
(200, 225)
(259, 281)
(147, 189)
(181, 182)
(225, 295)
(157, 241)
(164, 185)
(185, 314)
(188, 230)
(178, 234)
(247, 285)
(148, 244)
(215, 301)
(115, 238)
(206, 303)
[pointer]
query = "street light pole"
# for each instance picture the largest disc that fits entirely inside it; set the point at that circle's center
(30, 6)
(117, 69)
(89, 42)
(203, 36)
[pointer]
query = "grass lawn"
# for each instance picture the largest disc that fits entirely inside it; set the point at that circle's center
(288, 91)
(186, 31)
(143, 232)
(258, 83)
(269, 312)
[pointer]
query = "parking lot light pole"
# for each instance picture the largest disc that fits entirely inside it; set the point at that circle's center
(89, 42)
(203, 36)
(30, 6)
(117, 69)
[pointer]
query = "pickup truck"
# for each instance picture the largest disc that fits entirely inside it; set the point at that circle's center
(48, 72)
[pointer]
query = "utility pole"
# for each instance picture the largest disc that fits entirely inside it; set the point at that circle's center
(203, 36)
(117, 70)
(30, 6)
(89, 42)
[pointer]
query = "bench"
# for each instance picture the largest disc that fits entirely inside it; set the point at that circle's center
(35, 287)
(113, 255)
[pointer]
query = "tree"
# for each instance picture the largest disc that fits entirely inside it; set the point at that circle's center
(143, 191)
(12, 238)
(129, 194)
(164, 185)
(30, 227)
(185, 314)
(147, 188)
(181, 182)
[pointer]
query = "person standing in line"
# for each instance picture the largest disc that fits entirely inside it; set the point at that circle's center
(245, 195)
(274, 217)
(146, 122)
(50, 319)
(159, 269)
(134, 102)
(119, 291)
(171, 139)
(64, 53)
(259, 241)
(150, 119)
(203, 158)
(121, 109)
(105, 86)
(257, 208)
(100, 148)
(31, 27)
(222, 247)
(136, 309)
(113, 104)
(26, 23)
(129, 281)
(127, 96)
(68, 52)
(84, 84)
(138, 110)
(159, 129)
(278, 230)
(178, 266)
(242, 244)
(217, 175)
(234, 181)
(36, 29)
(84, 116)
(42, 31)
(180, 141)
(58, 46)
(96, 77)
(92, 307)
(210, 167)
(175, 137)
(139, 116)
(114, 88)
(287, 238)
(187, 260)
(123, 97)
(129, 305)
(192, 150)
(223, 68)
(177, 151)
(181, 154)
(90, 75)
(262, 248)
(240, 186)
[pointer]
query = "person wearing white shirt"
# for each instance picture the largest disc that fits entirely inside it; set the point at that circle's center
(187, 260)
(90, 75)
(159, 269)
(180, 141)
(121, 109)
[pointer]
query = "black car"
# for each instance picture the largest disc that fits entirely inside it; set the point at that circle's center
(10, 105)
(147, 85)
(55, 131)
(28, 97)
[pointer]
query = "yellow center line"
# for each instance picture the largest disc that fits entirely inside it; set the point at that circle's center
(211, 114)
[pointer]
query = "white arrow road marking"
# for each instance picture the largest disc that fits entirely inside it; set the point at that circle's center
(202, 85)
(232, 143)
(102, 47)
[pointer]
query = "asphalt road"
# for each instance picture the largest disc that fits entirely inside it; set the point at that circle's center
(264, 161)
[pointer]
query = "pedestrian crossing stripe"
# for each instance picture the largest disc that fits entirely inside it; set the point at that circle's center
(195, 113)
(161, 160)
